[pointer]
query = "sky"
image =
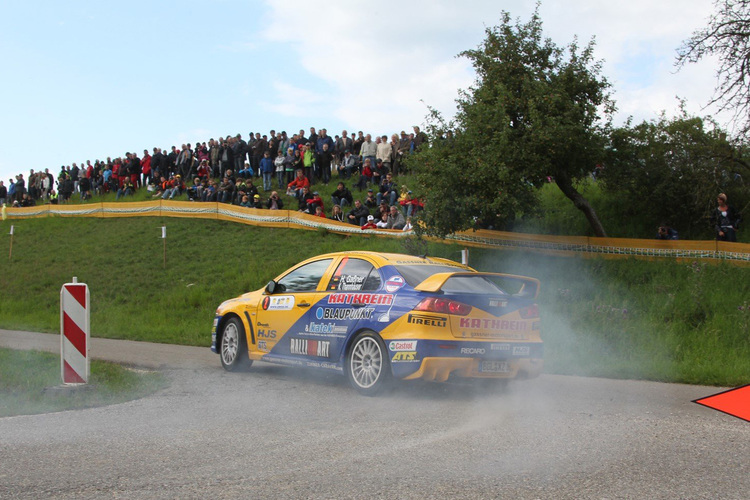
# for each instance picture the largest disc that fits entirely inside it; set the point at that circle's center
(83, 80)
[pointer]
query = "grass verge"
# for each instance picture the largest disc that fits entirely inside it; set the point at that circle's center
(26, 376)
(660, 320)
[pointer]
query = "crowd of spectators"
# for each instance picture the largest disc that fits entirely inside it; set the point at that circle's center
(227, 170)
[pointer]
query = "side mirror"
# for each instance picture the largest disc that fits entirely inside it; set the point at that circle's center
(271, 287)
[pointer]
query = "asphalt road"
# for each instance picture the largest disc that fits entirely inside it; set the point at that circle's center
(286, 433)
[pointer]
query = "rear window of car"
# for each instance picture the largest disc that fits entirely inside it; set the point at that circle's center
(415, 275)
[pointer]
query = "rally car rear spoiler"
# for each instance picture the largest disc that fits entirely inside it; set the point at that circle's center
(529, 286)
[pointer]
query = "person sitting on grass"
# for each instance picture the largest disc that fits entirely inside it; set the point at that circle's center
(297, 186)
(370, 224)
(256, 201)
(342, 196)
(358, 214)
(395, 219)
(245, 202)
(274, 202)
(126, 189)
(319, 212)
(176, 189)
(337, 214)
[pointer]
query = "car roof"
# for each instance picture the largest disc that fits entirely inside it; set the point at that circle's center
(384, 258)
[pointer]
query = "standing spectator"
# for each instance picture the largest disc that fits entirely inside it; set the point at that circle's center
(343, 144)
(313, 139)
(267, 169)
(325, 157)
(357, 144)
(146, 168)
(20, 188)
(368, 151)
(3, 193)
(308, 160)
(420, 139)
(384, 153)
(257, 150)
(239, 148)
(726, 220)
(324, 139)
(84, 186)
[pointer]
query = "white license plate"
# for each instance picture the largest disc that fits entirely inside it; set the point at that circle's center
(494, 367)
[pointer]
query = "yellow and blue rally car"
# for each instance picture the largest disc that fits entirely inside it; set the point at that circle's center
(377, 316)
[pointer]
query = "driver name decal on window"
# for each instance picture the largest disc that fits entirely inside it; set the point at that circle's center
(351, 283)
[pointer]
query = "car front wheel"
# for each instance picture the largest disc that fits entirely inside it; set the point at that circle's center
(234, 346)
(367, 364)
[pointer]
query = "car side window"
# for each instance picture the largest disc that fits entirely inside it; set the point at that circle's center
(305, 278)
(354, 275)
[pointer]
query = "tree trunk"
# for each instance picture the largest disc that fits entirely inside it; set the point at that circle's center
(582, 204)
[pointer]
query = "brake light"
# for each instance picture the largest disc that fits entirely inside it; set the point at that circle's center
(444, 306)
(531, 311)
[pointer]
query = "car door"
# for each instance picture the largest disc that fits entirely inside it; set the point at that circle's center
(283, 311)
(353, 302)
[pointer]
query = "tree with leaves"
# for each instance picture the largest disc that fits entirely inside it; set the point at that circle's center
(727, 37)
(670, 170)
(536, 112)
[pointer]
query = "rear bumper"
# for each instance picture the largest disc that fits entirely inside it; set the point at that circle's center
(440, 369)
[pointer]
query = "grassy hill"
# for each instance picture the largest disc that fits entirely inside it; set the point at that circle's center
(659, 320)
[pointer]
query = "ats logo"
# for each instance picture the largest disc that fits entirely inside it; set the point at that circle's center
(306, 347)
(423, 319)
(262, 346)
(404, 356)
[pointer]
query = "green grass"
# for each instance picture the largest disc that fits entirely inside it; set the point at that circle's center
(24, 376)
(657, 320)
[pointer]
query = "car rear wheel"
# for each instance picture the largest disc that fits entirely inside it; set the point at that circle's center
(367, 364)
(234, 346)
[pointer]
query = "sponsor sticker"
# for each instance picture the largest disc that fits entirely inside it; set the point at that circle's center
(402, 345)
(372, 299)
(262, 346)
(343, 313)
(278, 303)
(314, 327)
(498, 303)
(266, 334)
(473, 350)
(492, 324)
(404, 356)
(427, 320)
(394, 283)
(304, 347)
(500, 347)
(521, 350)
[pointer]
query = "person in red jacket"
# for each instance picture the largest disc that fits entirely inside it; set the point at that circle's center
(370, 223)
(298, 185)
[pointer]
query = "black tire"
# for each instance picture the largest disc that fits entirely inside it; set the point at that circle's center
(367, 365)
(233, 347)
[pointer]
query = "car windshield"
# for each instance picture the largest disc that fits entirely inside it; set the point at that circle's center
(415, 275)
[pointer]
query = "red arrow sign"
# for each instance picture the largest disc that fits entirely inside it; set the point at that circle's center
(734, 402)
